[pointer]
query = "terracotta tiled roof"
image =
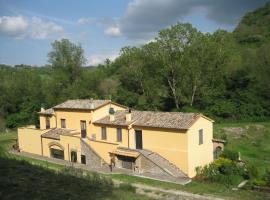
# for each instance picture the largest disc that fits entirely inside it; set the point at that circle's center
(173, 120)
(82, 104)
(56, 132)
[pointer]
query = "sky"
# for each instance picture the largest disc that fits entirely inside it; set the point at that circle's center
(103, 27)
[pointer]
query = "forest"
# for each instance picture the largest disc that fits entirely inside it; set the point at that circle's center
(224, 75)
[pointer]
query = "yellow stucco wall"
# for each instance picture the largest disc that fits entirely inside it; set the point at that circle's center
(29, 139)
(103, 111)
(73, 118)
(171, 144)
(102, 149)
(69, 143)
(199, 155)
(111, 134)
(42, 121)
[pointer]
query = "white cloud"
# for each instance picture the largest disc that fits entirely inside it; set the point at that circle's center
(35, 28)
(13, 26)
(113, 31)
(90, 20)
(41, 29)
(96, 59)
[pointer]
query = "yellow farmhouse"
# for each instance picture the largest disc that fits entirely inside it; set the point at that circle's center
(101, 133)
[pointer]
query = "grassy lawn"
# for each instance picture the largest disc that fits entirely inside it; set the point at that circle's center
(253, 146)
(24, 178)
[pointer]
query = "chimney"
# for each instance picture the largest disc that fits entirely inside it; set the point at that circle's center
(128, 115)
(91, 103)
(111, 117)
(42, 109)
(111, 113)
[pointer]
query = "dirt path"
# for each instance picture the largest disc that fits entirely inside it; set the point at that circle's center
(160, 193)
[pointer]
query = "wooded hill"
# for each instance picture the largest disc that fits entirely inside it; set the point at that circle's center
(224, 75)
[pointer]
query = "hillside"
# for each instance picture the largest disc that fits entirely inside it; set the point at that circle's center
(254, 28)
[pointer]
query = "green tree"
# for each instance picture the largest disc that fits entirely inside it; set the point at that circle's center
(172, 44)
(67, 57)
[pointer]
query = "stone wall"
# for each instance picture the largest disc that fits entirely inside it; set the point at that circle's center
(144, 165)
(92, 158)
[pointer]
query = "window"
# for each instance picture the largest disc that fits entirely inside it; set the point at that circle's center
(83, 159)
(83, 129)
(119, 134)
(103, 133)
(47, 122)
(63, 123)
(56, 153)
(200, 136)
(73, 156)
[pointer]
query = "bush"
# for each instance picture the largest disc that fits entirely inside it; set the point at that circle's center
(267, 177)
(252, 171)
(258, 182)
(222, 170)
(229, 154)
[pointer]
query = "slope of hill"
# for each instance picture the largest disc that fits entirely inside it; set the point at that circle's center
(254, 28)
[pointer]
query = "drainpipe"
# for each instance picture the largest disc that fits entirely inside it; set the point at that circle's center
(68, 154)
(41, 145)
(128, 137)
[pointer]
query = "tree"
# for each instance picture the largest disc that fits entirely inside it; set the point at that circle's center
(68, 58)
(172, 44)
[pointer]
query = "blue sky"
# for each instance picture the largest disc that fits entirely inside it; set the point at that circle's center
(102, 27)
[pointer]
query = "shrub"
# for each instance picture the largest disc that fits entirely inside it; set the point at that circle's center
(252, 171)
(229, 154)
(258, 182)
(222, 170)
(267, 177)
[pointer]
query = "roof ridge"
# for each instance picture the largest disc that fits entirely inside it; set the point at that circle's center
(173, 112)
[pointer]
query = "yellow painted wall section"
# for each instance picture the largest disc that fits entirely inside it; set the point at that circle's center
(199, 155)
(45, 145)
(73, 118)
(30, 139)
(104, 111)
(112, 134)
(171, 144)
(42, 121)
(102, 149)
(70, 143)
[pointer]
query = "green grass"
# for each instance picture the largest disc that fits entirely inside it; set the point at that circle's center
(25, 178)
(254, 144)
(254, 147)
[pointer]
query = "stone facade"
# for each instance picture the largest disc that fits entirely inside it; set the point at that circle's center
(144, 165)
(93, 160)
